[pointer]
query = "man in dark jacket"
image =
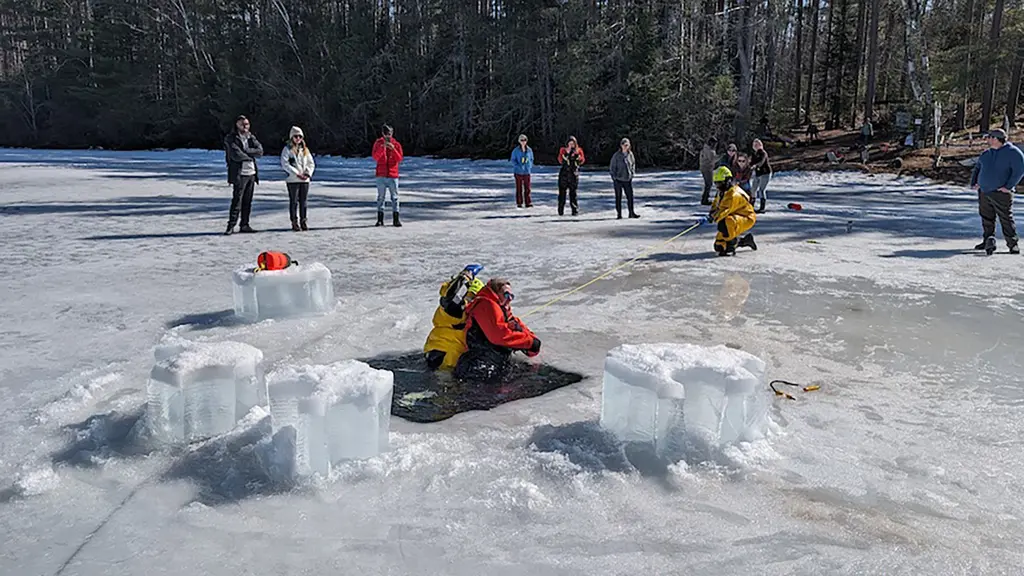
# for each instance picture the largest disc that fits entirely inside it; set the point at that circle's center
(622, 169)
(241, 149)
(493, 333)
(995, 176)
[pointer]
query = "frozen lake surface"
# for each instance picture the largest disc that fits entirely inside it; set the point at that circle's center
(909, 460)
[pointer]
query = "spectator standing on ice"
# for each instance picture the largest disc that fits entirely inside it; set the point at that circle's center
(762, 174)
(522, 167)
(570, 158)
(995, 176)
(708, 156)
(729, 158)
(298, 163)
(241, 149)
(742, 171)
(622, 169)
(388, 153)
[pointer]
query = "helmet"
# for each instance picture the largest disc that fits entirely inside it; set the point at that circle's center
(475, 286)
(473, 269)
(722, 174)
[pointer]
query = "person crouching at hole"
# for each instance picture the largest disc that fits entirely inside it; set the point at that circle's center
(493, 333)
(447, 340)
(733, 212)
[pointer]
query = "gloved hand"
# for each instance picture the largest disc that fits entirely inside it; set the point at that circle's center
(473, 270)
(534, 348)
(702, 220)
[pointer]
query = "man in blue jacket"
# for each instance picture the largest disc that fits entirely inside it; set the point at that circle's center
(522, 166)
(995, 176)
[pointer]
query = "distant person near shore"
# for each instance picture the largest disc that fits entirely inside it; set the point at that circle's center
(522, 167)
(241, 149)
(623, 169)
(388, 153)
(995, 176)
(297, 162)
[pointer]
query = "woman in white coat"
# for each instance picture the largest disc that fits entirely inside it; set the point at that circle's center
(297, 161)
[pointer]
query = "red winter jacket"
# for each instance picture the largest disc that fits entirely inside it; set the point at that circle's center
(387, 159)
(495, 320)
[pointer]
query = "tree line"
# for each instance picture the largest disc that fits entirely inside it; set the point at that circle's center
(465, 77)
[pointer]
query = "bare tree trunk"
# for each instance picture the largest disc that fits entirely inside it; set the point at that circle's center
(869, 91)
(961, 110)
(989, 88)
(813, 54)
(745, 49)
(799, 60)
(828, 55)
(862, 13)
(1014, 93)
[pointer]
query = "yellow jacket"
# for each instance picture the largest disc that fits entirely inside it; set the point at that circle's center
(735, 205)
(448, 334)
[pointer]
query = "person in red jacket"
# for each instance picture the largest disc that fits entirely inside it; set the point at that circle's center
(493, 333)
(570, 158)
(388, 153)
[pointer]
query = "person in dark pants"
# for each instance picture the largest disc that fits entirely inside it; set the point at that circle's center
(241, 149)
(995, 176)
(570, 158)
(297, 162)
(493, 333)
(708, 157)
(622, 169)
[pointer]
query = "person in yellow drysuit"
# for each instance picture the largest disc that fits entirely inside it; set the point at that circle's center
(447, 340)
(734, 214)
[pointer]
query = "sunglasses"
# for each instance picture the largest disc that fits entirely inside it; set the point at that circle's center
(509, 296)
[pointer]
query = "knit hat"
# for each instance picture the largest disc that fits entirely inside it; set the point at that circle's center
(295, 131)
(998, 134)
(624, 141)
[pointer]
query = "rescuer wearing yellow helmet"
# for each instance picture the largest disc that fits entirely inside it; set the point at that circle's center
(734, 214)
(447, 340)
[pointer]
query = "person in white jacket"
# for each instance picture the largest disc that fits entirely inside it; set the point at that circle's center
(297, 161)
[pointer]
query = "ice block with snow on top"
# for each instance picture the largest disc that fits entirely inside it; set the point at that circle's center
(200, 390)
(339, 411)
(663, 394)
(299, 290)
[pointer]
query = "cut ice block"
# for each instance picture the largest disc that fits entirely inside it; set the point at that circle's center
(300, 290)
(340, 411)
(662, 394)
(199, 390)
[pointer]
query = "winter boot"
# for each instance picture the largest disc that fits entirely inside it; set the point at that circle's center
(619, 216)
(748, 241)
(246, 229)
(761, 209)
(302, 225)
(1014, 249)
(634, 215)
(395, 220)
(980, 246)
(230, 230)
(990, 245)
(295, 226)
(380, 219)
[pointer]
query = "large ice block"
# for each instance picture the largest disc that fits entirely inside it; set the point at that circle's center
(664, 394)
(339, 411)
(300, 290)
(199, 390)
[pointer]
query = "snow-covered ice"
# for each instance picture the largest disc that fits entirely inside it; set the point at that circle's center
(907, 461)
(340, 411)
(300, 290)
(200, 390)
(669, 394)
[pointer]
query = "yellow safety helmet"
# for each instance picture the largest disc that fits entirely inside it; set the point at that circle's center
(475, 286)
(722, 174)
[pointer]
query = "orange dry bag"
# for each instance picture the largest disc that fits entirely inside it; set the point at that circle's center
(273, 261)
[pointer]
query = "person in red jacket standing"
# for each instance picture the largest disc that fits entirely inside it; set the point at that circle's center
(388, 153)
(493, 333)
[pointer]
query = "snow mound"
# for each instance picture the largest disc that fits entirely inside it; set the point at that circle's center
(681, 397)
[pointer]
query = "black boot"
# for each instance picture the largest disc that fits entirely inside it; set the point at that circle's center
(980, 246)
(302, 225)
(245, 229)
(748, 241)
(634, 215)
(395, 220)
(761, 209)
(990, 245)
(380, 219)
(230, 230)
(619, 216)
(295, 226)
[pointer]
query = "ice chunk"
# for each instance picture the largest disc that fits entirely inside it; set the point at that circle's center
(663, 394)
(199, 390)
(339, 411)
(300, 290)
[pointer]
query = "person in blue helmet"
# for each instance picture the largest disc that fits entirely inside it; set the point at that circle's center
(447, 340)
